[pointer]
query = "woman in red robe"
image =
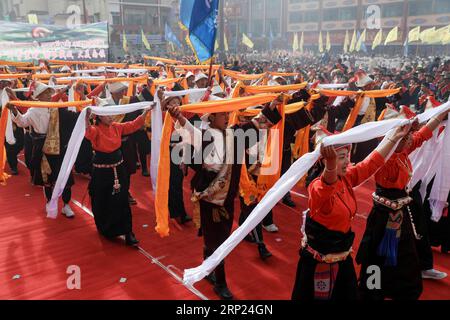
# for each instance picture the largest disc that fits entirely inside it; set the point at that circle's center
(389, 241)
(107, 188)
(325, 270)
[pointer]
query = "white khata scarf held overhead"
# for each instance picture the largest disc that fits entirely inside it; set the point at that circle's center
(74, 146)
(441, 184)
(299, 168)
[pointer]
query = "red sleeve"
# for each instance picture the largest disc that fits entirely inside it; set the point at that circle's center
(320, 195)
(131, 126)
(366, 168)
(91, 133)
(419, 138)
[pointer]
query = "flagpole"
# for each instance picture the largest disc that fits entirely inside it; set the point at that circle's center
(210, 71)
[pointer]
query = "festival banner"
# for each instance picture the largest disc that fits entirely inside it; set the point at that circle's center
(26, 42)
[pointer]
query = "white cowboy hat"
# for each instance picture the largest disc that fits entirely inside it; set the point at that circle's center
(117, 86)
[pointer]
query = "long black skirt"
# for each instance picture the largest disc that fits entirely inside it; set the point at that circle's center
(112, 212)
(402, 281)
(345, 286)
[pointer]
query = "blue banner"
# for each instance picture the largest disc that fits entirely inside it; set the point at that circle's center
(202, 27)
(171, 37)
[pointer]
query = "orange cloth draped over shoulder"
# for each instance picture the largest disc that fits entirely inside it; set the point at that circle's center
(30, 104)
(162, 189)
(360, 97)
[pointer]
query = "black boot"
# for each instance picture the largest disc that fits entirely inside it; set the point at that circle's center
(223, 292)
(131, 200)
(211, 278)
(14, 171)
(131, 240)
(145, 172)
(263, 252)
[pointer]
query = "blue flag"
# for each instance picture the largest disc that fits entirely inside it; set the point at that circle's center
(202, 26)
(185, 13)
(171, 37)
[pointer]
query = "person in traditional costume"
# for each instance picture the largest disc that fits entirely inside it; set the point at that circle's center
(389, 240)
(118, 92)
(216, 181)
(326, 270)
(178, 170)
(13, 149)
(370, 110)
(51, 131)
(109, 183)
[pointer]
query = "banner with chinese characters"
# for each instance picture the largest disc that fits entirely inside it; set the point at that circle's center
(25, 42)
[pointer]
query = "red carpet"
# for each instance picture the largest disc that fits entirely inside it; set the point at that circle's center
(39, 250)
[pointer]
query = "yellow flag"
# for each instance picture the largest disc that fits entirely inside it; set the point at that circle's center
(246, 40)
(295, 43)
(353, 42)
(414, 34)
(328, 45)
(320, 42)
(346, 42)
(216, 45)
(32, 19)
(145, 41)
(392, 36)
(124, 42)
(427, 35)
(446, 36)
(302, 39)
(378, 39)
(361, 40)
(442, 33)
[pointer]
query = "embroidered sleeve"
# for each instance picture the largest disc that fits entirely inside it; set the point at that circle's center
(266, 119)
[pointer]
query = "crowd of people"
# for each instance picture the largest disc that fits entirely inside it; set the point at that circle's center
(400, 231)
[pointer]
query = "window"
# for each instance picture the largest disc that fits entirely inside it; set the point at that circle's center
(273, 24)
(329, 15)
(311, 16)
(392, 10)
(295, 17)
(257, 28)
(347, 13)
(273, 9)
(257, 8)
(116, 18)
(420, 7)
(442, 6)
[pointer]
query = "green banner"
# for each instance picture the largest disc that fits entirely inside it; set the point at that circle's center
(26, 42)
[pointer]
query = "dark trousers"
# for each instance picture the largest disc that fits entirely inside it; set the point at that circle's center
(12, 150)
(216, 228)
(28, 149)
(66, 195)
(245, 212)
(286, 163)
(176, 201)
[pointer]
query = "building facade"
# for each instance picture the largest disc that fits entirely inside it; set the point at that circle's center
(337, 16)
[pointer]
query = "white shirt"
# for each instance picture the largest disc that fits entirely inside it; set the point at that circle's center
(38, 118)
